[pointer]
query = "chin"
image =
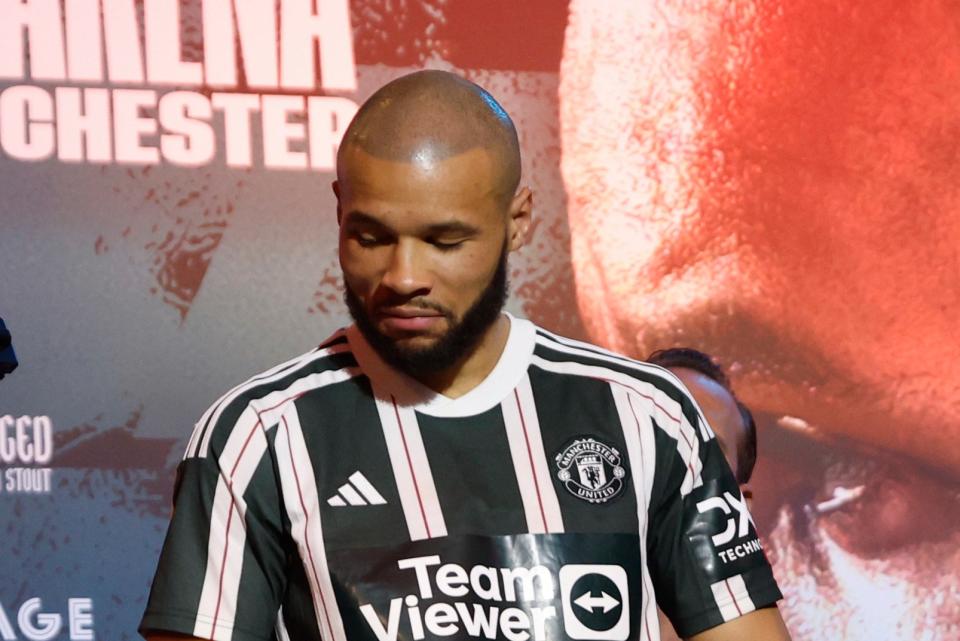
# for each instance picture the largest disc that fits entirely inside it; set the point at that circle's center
(411, 342)
(412, 347)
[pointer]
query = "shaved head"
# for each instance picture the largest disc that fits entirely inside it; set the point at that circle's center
(429, 207)
(429, 116)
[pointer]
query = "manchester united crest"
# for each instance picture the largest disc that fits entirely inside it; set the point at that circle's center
(591, 470)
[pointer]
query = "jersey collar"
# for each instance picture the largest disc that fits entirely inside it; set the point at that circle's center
(388, 383)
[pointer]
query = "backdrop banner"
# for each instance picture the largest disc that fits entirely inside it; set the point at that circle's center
(774, 183)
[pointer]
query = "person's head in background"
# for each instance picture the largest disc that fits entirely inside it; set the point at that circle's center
(730, 419)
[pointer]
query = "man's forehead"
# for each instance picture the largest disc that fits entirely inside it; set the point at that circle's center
(405, 144)
(468, 175)
(426, 156)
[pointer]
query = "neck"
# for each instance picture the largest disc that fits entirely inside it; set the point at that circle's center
(474, 367)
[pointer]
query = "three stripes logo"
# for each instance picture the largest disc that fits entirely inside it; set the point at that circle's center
(356, 491)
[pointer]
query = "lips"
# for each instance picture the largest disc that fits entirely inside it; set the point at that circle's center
(409, 319)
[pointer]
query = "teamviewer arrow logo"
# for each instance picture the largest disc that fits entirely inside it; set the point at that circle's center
(604, 602)
(596, 602)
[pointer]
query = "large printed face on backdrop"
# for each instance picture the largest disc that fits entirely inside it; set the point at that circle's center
(777, 183)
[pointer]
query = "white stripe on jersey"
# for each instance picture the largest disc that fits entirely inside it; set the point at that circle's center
(270, 376)
(654, 401)
(272, 406)
(411, 470)
(282, 633)
(540, 504)
(732, 597)
(227, 398)
(218, 598)
(641, 452)
(740, 594)
(586, 350)
(241, 455)
(302, 502)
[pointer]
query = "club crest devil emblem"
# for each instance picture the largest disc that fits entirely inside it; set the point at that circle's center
(591, 470)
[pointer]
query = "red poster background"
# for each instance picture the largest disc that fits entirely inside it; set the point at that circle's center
(774, 183)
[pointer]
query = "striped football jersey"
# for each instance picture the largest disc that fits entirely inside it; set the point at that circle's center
(564, 497)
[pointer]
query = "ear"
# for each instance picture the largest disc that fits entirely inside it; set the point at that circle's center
(521, 213)
(336, 192)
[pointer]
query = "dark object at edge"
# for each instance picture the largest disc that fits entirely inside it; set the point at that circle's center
(8, 360)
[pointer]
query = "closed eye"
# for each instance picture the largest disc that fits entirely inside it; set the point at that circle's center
(446, 245)
(366, 230)
(366, 239)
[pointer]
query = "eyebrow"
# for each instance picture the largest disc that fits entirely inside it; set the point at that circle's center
(456, 227)
(356, 217)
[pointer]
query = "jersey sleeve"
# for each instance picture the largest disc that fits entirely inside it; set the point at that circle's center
(705, 558)
(221, 570)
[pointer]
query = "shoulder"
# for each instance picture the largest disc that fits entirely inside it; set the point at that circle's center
(655, 391)
(269, 390)
(578, 358)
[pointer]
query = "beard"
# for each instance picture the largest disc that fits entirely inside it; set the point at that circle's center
(462, 336)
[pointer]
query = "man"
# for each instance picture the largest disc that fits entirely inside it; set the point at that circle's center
(441, 468)
(784, 180)
(730, 419)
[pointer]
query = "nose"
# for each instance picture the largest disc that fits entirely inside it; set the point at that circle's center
(407, 274)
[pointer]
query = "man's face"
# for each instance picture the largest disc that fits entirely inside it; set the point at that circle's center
(423, 252)
(776, 183)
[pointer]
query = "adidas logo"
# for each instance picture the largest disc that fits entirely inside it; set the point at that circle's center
(356, 491)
